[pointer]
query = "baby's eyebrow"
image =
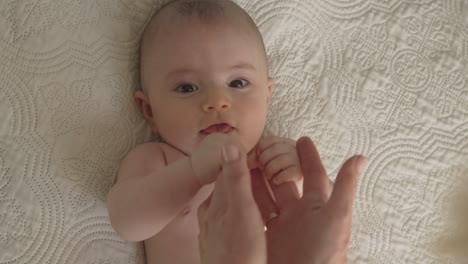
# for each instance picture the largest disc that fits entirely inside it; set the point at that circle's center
(179, 72)
(243, 65)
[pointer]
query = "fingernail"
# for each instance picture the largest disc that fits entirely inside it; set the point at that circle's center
(276, 181)
(361, 163)
(230, 153)
(272, 216)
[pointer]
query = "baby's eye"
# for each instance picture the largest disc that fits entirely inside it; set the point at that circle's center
(186, 88)
(238, 83)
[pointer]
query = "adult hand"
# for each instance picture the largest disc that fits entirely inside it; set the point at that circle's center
(317, 227)
(231, 228)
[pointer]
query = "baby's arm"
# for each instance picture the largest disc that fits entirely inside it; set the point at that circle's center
(148, 194)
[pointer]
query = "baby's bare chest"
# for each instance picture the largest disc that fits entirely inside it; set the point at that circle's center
(178, 241)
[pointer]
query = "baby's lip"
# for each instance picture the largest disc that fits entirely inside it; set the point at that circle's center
(218, 128)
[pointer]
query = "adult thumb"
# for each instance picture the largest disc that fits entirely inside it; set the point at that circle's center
(237, 177)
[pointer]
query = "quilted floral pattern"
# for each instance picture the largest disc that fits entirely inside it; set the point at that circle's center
(387, 79)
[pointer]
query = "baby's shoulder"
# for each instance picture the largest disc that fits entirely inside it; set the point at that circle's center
(141, 160)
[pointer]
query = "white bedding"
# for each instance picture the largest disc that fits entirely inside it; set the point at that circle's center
(387, 79)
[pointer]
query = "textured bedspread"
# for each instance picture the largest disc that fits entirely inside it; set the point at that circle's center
(388, 79)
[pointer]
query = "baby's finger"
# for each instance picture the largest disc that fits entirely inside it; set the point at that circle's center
(274, 151)
(265, 143)
(270, 141)
(275, 139)
(278, 164)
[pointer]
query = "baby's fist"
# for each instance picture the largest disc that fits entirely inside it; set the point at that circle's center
(278, 158)
(207, 158)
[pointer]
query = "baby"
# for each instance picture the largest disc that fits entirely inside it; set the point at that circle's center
(204, 83)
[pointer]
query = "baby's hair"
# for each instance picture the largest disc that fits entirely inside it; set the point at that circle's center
(206, 10)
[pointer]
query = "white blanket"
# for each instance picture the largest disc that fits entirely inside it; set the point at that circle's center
(387, 79)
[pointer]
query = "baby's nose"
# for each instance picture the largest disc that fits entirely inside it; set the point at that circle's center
(217, 101)
(216, 107)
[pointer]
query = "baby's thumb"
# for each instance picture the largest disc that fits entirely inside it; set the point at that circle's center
(237, 177)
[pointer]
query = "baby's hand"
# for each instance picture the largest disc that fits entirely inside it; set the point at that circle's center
(278, 158)
(207, 158)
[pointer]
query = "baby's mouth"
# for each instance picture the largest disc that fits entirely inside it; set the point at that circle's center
(218, 128)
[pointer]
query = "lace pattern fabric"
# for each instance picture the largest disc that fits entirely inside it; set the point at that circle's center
(387, 79)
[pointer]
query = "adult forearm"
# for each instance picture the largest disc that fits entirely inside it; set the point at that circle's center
(140, 207)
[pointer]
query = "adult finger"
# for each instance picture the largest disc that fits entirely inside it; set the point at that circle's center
(263, 195)
(285, 194)
(342, 198)
(237, 176)
(218, 197)
(252, 160)
(201, 212)
(315, 176)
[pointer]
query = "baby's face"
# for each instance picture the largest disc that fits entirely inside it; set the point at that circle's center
(202, 74)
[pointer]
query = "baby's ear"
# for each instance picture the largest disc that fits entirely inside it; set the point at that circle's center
(144, 105)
